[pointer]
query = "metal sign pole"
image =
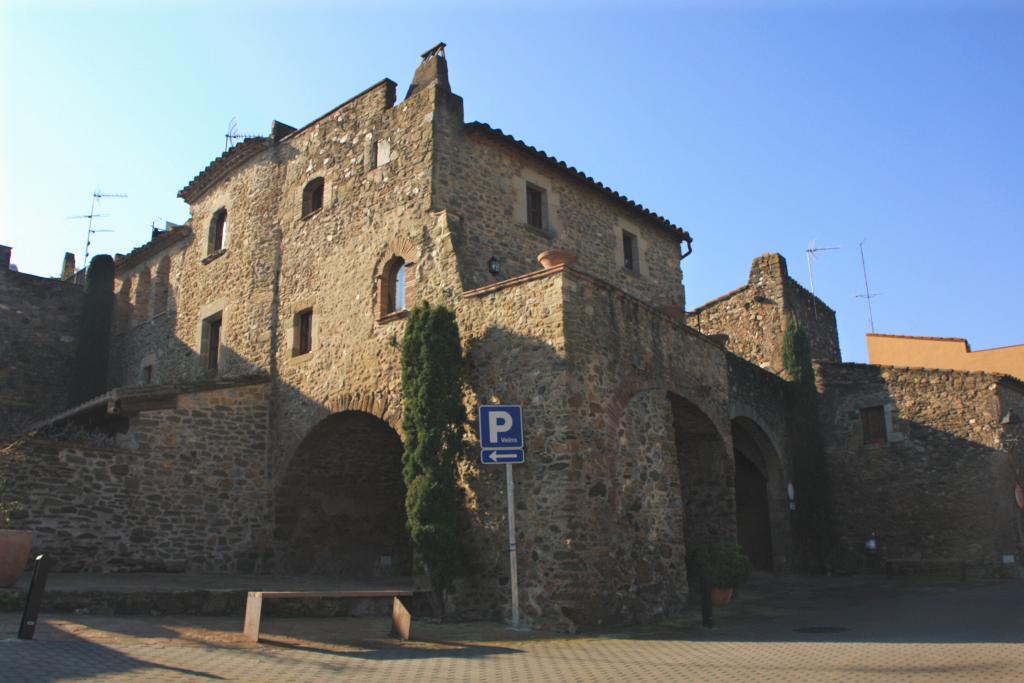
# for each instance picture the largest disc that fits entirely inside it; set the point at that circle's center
(513, 577)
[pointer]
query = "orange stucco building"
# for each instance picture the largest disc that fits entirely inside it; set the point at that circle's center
(944, 353)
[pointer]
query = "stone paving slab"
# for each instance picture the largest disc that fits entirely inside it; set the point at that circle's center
(905, 633)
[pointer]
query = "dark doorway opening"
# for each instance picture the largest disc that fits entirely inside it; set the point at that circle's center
(753, 523)
(341, 504)
(705, 474)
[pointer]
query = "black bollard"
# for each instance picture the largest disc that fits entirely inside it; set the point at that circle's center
(35, 598)
(706, 618)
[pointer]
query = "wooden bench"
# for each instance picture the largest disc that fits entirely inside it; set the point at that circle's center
(892, 562)
(401, 619)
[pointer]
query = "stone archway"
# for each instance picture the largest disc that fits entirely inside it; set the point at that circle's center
(340, 506)
(705, 475)
(761, 503)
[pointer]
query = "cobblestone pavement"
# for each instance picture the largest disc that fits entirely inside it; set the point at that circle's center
(947, 633)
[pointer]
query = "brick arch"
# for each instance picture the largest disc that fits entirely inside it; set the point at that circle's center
(775, 438)
(403, 249)
(376, 405)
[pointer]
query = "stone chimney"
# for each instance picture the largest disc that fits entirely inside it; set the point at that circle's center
(433, 69)
(770, 267)
(5, 257)
(67, 270)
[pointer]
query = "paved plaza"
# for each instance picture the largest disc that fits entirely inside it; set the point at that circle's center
(793, 630)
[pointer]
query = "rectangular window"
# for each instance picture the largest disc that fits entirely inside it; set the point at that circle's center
(147, 374)
(535, 207)
(304, 332)
(873, 424)
(211, 341)
(218, 228)
(630, 257)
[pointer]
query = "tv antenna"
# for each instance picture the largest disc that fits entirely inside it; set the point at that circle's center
(96, 197)
(868, 294)
(233, 136)
(812, 250)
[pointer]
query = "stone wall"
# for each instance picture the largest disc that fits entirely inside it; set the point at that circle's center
(183, 489)
(39, 327)
(648, 469)
(940, 484)
(751, 320)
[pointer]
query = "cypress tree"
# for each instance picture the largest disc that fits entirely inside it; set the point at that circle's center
(433, 420)
(810, 475)
(92, 353)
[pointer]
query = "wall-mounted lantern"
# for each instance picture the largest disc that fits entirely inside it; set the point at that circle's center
(791, 494)
(494, 266)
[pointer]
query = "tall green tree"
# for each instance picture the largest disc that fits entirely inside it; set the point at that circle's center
(434, 419)
(810, 473)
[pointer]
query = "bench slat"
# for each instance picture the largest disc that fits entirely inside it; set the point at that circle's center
(334, 594)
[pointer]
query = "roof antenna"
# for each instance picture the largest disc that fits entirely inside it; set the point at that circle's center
(96, 197)
(812, 250)
(868, 294)
(233, 136)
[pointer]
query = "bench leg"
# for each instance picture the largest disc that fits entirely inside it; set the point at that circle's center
(253, 611)
(401, 619)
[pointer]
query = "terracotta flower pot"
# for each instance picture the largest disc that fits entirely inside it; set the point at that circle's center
(720, 597)
(556, 257)
(14, 548)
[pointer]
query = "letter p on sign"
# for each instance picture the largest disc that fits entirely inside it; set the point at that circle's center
(501, 426)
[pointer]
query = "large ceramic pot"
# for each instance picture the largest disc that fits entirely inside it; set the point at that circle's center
(14, 548)
(556, 257)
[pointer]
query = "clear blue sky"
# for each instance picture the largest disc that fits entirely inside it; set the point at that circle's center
(757, 126)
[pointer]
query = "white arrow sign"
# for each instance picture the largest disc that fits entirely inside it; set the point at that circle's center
(512, 456)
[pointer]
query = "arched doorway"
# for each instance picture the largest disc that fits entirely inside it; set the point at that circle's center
(340, 507)
(760, 496)
(705, 476)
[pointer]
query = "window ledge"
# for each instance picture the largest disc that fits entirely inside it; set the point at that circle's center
(630, 271)
(546, 233)
(301, 358)
(307, 216)
(214, 256)
(394, 315)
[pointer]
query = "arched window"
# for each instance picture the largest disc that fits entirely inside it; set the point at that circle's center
(313, 196)
(398, 288)
(395, 283)
(218, 231)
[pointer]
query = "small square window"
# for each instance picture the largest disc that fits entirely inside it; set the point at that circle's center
(535, 207)
(303, 332)
(873, 424)
(380, 153)
(211, 341)
(313, 196)
(630, 255)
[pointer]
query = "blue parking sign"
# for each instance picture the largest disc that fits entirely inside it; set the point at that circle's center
(501, 427)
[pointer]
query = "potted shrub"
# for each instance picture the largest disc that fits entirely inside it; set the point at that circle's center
(727, 568)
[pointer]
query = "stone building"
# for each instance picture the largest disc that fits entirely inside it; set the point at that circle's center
(253, 418)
